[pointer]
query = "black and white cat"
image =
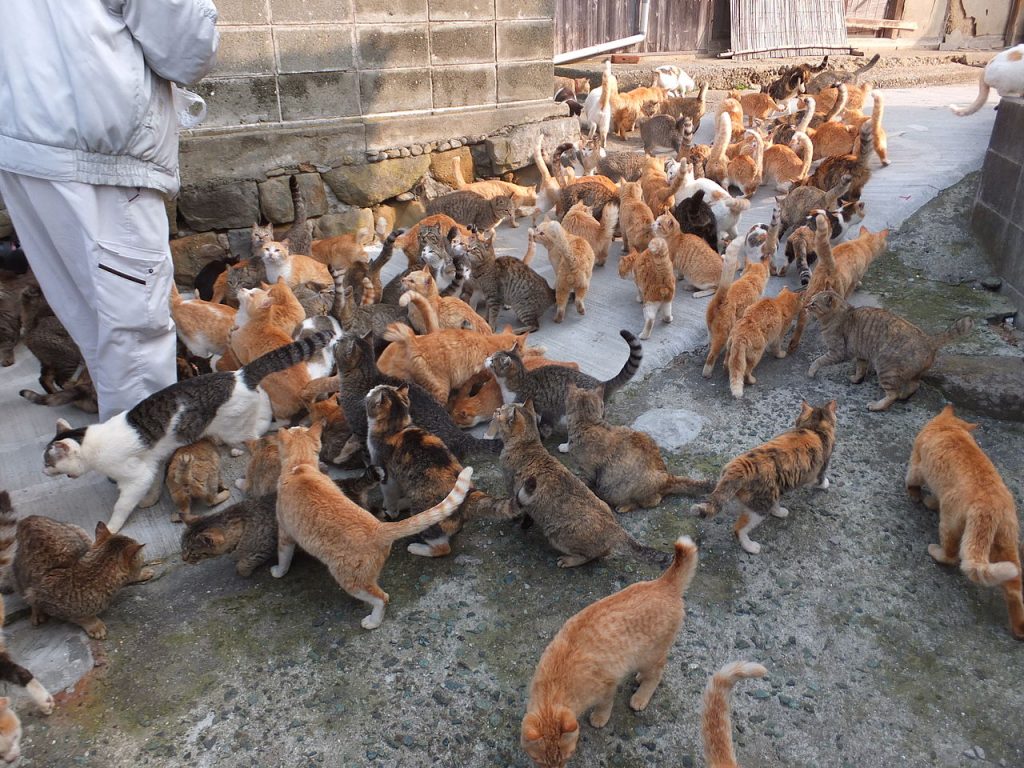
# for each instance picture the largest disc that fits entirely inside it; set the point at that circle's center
(132, 447)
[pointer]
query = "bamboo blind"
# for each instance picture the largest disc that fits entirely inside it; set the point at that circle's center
(764, 29)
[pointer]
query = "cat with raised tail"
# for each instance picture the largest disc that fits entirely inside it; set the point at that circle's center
(132, 447)
(622, 635)
(1005, 73)
(716, 724)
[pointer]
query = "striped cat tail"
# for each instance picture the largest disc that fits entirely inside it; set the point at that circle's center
(632, 365)
(642, 551)
(684, 565)
(685, 486)
(716, 723)
(284, 357)
(391, 532)
(8, 533)
(867, 143)
(961, 327)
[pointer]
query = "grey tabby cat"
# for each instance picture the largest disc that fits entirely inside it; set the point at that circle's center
(247, 531)
(878, 339)
(445, 254)
(246, 274)
(665, 132)
(10, 318)
(504, 281)
(615, 165)
(132, 447)
(362, 277)
(316, 300)
(470, 209)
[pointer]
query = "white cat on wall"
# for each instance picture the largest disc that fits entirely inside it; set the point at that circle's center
(1005, 73)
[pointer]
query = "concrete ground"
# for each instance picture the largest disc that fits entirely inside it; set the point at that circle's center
(876, 656)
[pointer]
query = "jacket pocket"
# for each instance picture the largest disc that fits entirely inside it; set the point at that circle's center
(133, 287)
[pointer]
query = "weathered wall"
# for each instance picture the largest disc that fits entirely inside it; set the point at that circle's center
(998, 216)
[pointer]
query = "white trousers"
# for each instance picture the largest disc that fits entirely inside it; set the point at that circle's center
(101, 257)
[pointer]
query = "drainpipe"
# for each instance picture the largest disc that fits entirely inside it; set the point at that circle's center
(612, 45)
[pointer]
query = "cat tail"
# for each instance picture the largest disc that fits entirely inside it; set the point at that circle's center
(297, 202)
(684, 565)
(726, 488)
(609, 219)
(724, 282)
(961, 327)
(716, 723)
(284, 357)
(867, 143)
(983, 89)
(392, 532)
(8, 534)
(481, 506)
(538, 160)
(399, 332)
(858, 72)
(430, 321)
(975, 547)
(629, 369)
(685, 486)
(386, 251)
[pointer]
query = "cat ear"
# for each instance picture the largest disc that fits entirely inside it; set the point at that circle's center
(531, 727)
(102, 532)
(831, 407)
(599, 389)
(568, 722)
(317, 430)
(864, 231)
(805, 409)
(62, 426)
(520, 344)
(403, 389)
(528, 407)
(264, 285)
(132, 550)
(213, 537)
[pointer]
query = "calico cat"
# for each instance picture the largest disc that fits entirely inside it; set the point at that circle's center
(621, 465)
(715, 724)
(692, 258)
(761, 328)
(520, 195)
(580, 525)
(801, 246)
(193, 472)
(630, 632)
(572, 259)
(978, 525)
(792, 81)
(695, 217)
(666, 132)
(313, 513)
(470, 209)
(202, 326)
(692, 107)
(546, 387)
(854, 165)
(579, 221)
(131, 447)
(504, 281)
(475, 401)
(784, 132)
(422, 301)
(757, 479)
(655, 282)
(878, 340)
(247, 531)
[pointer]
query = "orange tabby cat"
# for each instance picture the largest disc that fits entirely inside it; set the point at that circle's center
(448, 311)
(442, 361)
(655, 282)
(734, 109)
(692, 258)
(659, 192)
(573, 261)
(761, 328)
(202, 326)
(978, 525)
(716, 725)
(635, 218)
(746, 171)
(580, 221)
(342, 251)
(630, 632)
(295, 268)
(314, 514)
(782, 166)
(716, 164)
(475, 401)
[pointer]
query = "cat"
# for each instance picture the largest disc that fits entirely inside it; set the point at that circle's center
(315, 300)
(336, 432)
(313, 513)
(475, 401)
(784, 132)
(672, 79)
(747, 171)
(442, 249)
(628, 107)
(10, 318)
(411, 242)
(598, 105)
(280, 261)
(731, 299)
(716, 165)
(666, 132)
(365, 319)
(801, 245)
(692, 258)
(798, 204)
(615, 166)
(758, 478)
(470, 209)
(792, 81)
(635, 218)
(546, 387)
(548, 189)
(10, 731)
(621, 465)
(827, 78)
(854, 165)
(572, 259)
(978, 525)
(727, 213)
(761, 328)
(628, 633)
(247, 531)
(655, 282)
(878, 340)
(193, 472)
(299, 235)
(692, 107)
(696, 217)
(341, 251)
(579, 221)
(734, 109)
(783, 166)
(429, 311)
(575, 85)
(716, 724)
(592, 191)
(245, 274)
(658, 191)
(580, 525)
(521, 196)
(131, 447)
(262, 469)
(504, 281)
(1004, 72)
(202, 326)
(757, 106)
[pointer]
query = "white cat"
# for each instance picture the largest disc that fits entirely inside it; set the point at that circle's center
(673, 79)
(1005, 73)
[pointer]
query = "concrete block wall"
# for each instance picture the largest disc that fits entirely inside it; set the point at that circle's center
(998, 216)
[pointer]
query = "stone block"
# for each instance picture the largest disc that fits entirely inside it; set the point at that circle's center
(469, 43)
(244, 52)
(989, 225)
(984, 384)
(999, 175)
(394, 90)
(350, 219)
(524, 82)
(310, 11)
(318, 94)
(276, 197)
(6, 227)
(524, 9)
(1008, 131)
(220, 206)
(240, 243)
(1017, 214)
(366, 185)
(387, 11)
(461, 10)
(514, 148)
(241, 12)
(408, 213)
(463, 86)
(190, 254)
(441, 165)
(392, 46)
(321, 48)
(525, 40)
(240, 101)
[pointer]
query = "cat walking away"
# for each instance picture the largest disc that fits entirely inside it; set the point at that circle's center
(716, 724)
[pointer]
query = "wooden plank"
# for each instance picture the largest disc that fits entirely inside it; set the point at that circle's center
(880, 24)
(673, 25)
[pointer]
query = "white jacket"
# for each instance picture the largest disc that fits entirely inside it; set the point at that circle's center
(84, 86)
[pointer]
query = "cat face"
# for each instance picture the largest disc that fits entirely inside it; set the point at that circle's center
(825, 304)
(351, 352)
(504, 206)
(433, 244)
(200, 541)
(665, 225)
(261, 235)
(503, 364)
(420, 281)
(550, 740)
(274, 254)
(514, 420)
(63, 455)
(10, 732)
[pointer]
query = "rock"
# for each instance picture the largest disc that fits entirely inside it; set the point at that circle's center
(514, 149)
(240, 243)
(404, 152)
(670, 428)
(349, 220)
(276, 197)
(992, 283)
(408, 213)
(428, 188)
(190, 254)
(366, 185)
(416, 150)
(441, 165)
(6, 228)
(220, 206)
(989, 385)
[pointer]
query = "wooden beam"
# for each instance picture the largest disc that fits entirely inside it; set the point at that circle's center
(880, 24)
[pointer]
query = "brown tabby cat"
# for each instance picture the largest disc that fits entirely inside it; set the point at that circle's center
(572, 258)
(854, 165)
(692, 107)
(411, 243)
(978, 525)
(635, 218)
(475, 401)
(877, 339)
(693, 259)
(473, 210)
(630, 632)
(761, 328)
(247, 531)
(655, 282)
(193, 472)
(580, 526)
(580, 221)
(591, 191)
(666, 132)
(444, 311)
(520, 195)
(313, 513)
(716, 725)
(801, 202)
(504, 281)
(758, 478)
(621, 465)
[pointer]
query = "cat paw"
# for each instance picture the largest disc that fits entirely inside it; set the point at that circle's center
(780, 512)
(563, 448)
(236, 452)
(242, 484)
(780, 353)
(666, 319)
(370, 622)
(750, 547)
(638, 703)
(146, 574)
(277, 571)
(939, 555)
(600, 719)
(420, 549)
(221, 497)
(97, 630)
(824, 484)
(46, 705)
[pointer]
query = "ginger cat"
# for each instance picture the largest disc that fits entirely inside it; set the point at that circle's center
(746, 171)
(761, 328)
(978, 525)
(757, 479)
(573, 261)
(295, 268)
(734, 109)
(441, 311)
(441, 361)
(716, 724)
(475, 401)
(731, 299)
(756, 106)
(658, 192)
(716, 165)
(193, 472)
(409, 241)
(622, 635)
(692, 258)
(342, 251)
(202, 326)
(580, 221)
(655, 282)
(783, 166)
(635, 218)
(313, 513)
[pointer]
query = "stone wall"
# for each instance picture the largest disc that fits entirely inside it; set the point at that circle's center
(998, 217)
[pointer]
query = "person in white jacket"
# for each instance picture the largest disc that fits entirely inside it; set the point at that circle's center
(88, 152)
